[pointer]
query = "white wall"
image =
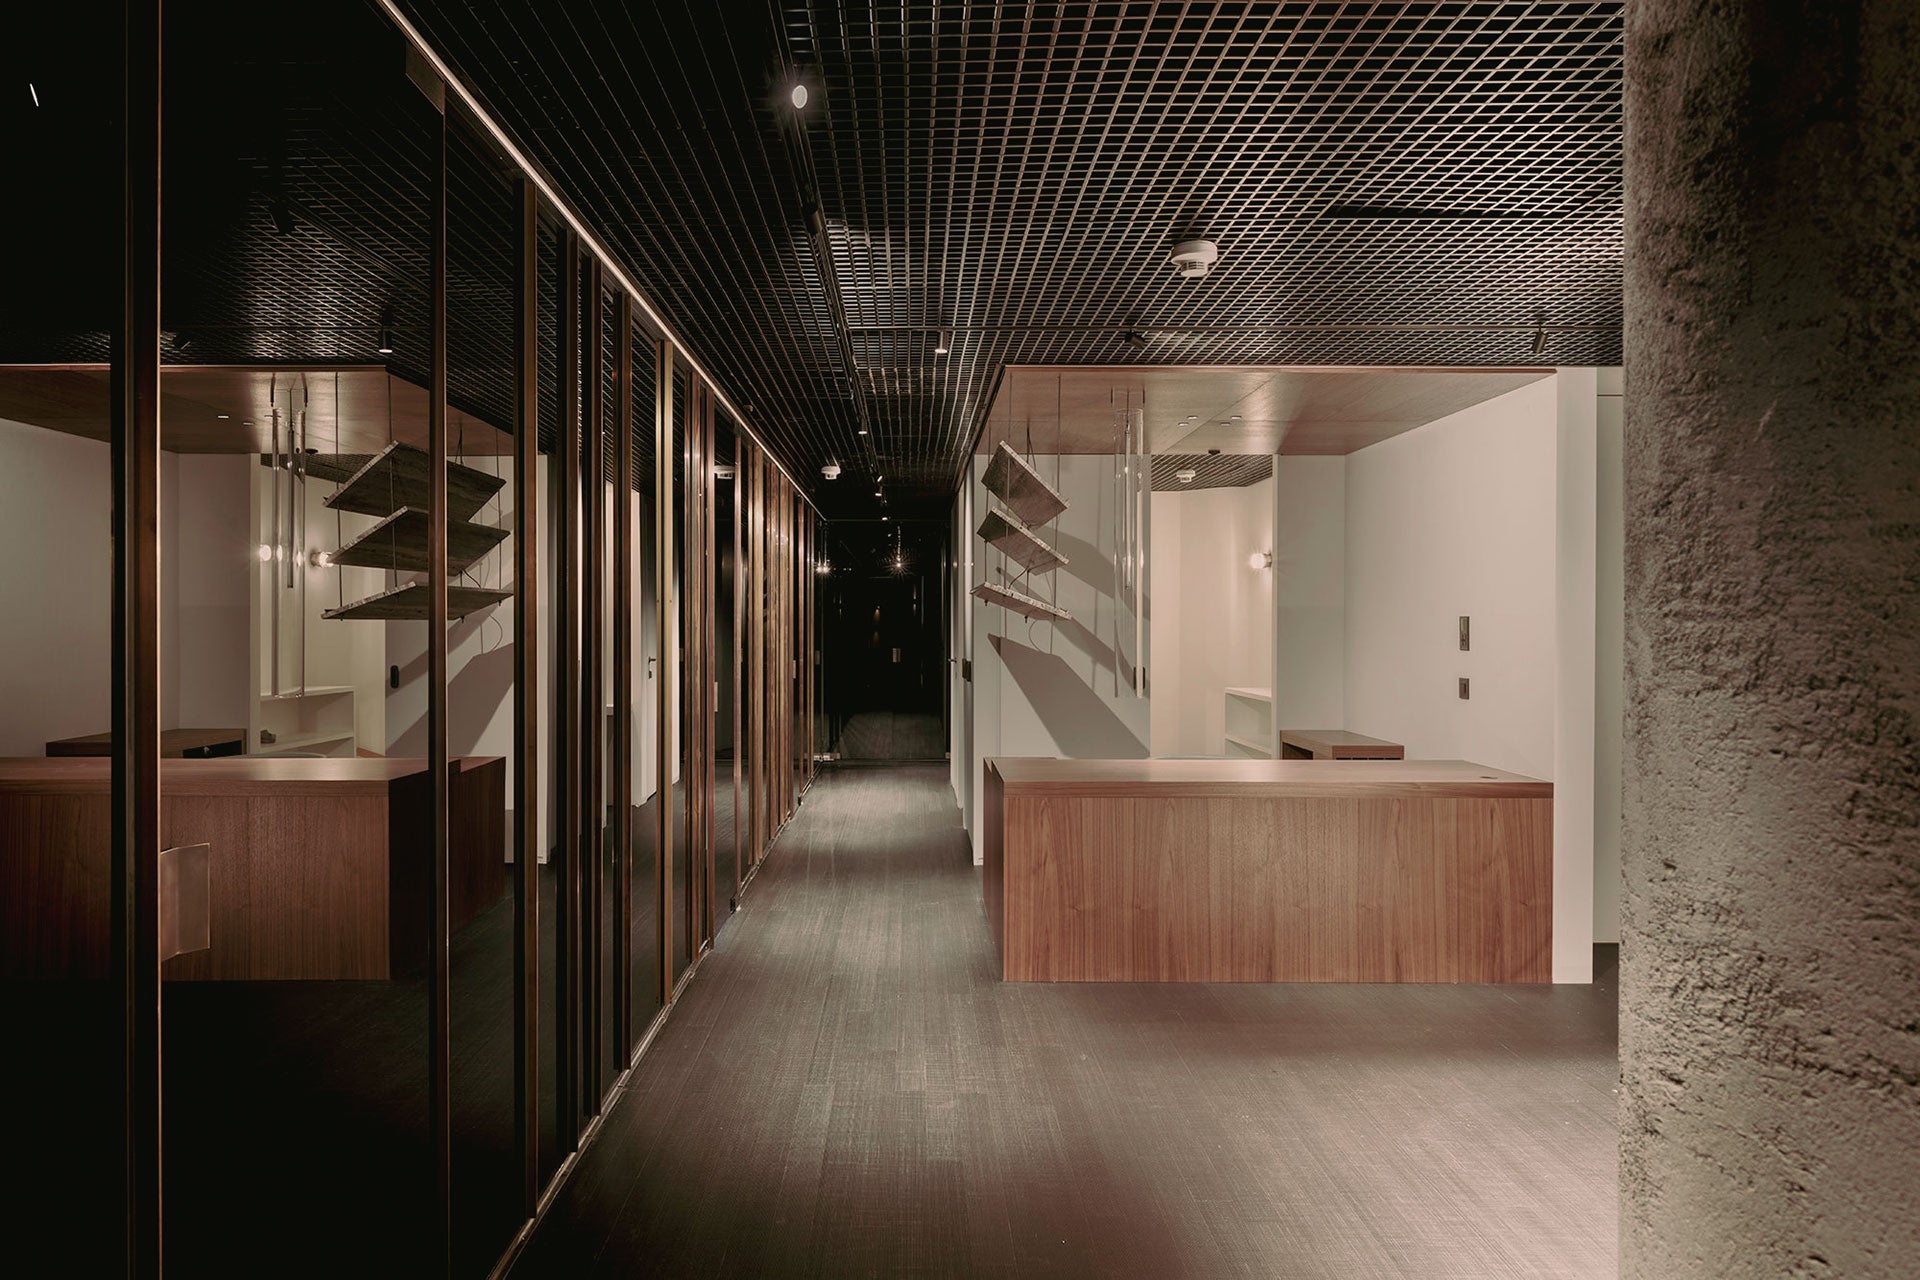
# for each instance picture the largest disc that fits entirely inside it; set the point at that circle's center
(1310, 593)
(56, 506)
(1057, 689)
(1457, 517)
(56, 632)
(1212, 612)
(1609, 670)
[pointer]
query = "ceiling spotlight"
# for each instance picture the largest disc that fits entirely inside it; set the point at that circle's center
(264, 553)
(223, 417)
(831, 471)
(940, 344)
(1234, 418)
(1185, 475)
(883, 519)
(863, 431)
(386, 344)
(1260, 560)
(1136, 339)
(1539, 339)
(823, 568)
(319, 559)
(1193, 259)
(798, 96)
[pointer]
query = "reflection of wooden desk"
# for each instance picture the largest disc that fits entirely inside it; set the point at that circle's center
(175, 744)
(1336, 744)
(318, 868)
(1267, 871)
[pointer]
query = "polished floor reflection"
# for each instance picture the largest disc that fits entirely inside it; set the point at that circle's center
(846, 1090)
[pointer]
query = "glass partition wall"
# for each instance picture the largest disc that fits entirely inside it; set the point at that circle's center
(470, 624)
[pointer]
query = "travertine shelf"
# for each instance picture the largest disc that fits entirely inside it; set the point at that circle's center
(1011, 480)
(400, 542)
(397, 477)
(1019, 544)
(336, 467)
(411, 602)
(1024, 605)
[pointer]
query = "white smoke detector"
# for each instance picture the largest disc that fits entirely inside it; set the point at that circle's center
(1192, 259)
(1185, 475)
(831, 471)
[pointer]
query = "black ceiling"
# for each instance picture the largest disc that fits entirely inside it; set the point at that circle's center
(1388, 184)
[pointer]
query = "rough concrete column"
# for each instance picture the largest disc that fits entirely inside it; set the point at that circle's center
(1770, 995)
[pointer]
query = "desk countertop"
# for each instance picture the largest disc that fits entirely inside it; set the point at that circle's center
(1355, 778)
(227, 775)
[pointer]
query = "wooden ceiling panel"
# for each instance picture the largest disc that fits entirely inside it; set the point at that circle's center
(212, 409)
(1234, 410)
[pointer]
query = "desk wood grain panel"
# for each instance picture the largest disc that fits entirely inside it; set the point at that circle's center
(1287, 888)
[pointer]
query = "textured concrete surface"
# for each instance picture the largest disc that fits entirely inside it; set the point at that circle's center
(1770, 1019)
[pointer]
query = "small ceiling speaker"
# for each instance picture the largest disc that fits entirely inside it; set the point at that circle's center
(1193, 259)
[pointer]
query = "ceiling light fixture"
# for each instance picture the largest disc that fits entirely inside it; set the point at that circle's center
(35, 92)
(1539, 339)
(798, 96)
(1260, 560)
(940, 344)
(1185, 475)
(831, 471)
(221, 416)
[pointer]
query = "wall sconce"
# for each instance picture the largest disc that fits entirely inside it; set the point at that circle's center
(1260, 560)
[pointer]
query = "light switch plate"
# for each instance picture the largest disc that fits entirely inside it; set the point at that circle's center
(1465, 643)
(1463, 687)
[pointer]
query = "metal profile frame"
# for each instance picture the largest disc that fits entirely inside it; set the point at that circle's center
(663, 621)
(592, 690)
(439, 996)
(622, 765)
(134, 785)
(526, 706)
(566, 667)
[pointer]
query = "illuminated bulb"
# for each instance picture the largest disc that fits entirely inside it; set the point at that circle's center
(1260, 560)
(798, 97)
(319, 559)
(265, 553)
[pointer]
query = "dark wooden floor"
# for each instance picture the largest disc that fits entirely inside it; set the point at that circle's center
(891, 735)
(845, 1091)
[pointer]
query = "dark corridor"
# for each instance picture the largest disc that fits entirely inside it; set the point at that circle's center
(882, 640)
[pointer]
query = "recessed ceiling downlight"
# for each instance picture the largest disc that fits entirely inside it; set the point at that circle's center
(798, 97)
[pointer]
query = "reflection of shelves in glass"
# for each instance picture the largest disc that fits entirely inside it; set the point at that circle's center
(1253, 745)
(304, 742)
(1019, 543)
(398, 477)
(311, 691)
(412, 600)
(1011, 480)
(400, 542)
(1252, 693)
(1024, 605)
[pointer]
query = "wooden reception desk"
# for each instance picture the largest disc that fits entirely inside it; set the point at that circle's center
(316, 868)
(1268, 871)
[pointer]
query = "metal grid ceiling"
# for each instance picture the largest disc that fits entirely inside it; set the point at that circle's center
(1210, 471)
(1388, 184)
